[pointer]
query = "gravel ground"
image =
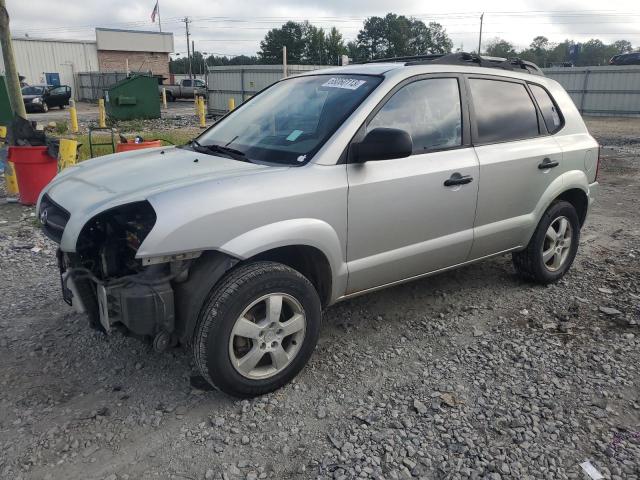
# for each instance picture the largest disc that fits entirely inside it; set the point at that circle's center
(471, 374)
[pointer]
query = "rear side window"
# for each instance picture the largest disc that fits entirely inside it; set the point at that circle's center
(504, 111)
(429, 110)
(549, 109)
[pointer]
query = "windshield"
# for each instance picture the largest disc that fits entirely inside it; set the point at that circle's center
(32, 90)
(289, 122)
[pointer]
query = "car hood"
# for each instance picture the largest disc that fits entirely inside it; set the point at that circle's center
(29, 98)
(96, 185)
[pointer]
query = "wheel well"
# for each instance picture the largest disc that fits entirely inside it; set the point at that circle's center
(579, 200)
(309, 261)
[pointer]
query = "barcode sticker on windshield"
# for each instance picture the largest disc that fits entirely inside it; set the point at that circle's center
(347, 83)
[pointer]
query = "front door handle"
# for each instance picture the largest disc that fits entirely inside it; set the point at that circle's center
(547, 163)
(457, 179)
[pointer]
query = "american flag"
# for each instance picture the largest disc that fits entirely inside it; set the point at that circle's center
(154, 13)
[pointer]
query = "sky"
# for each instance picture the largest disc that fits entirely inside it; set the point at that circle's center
(234, 27)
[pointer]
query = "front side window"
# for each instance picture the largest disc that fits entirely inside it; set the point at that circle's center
(504, 111)
(429, 110)
(549, 110)
(291, 120)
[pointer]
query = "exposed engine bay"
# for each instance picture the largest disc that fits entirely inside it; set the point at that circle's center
(104, 279)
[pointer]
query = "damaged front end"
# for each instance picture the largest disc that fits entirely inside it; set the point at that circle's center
(105, 279)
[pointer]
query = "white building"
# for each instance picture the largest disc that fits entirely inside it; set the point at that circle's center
(35, 57)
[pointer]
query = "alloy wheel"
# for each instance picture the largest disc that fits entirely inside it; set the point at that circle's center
(267, 336)
(557, 244)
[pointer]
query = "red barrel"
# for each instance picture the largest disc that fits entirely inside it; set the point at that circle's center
(125, 147)
(34, 169)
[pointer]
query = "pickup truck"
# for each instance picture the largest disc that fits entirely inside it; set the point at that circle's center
(187, 88)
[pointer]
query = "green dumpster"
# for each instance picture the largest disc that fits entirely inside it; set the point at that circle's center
(131, 98)
(6, 114)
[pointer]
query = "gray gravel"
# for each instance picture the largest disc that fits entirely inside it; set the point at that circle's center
(472, 374)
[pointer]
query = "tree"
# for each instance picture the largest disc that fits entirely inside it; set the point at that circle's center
(290, 35)
(335, 47)
(314, 45)
(396, 36)
(500, 48)
(306, 44)
(622, 46)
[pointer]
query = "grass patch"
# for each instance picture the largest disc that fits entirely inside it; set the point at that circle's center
(175, 137)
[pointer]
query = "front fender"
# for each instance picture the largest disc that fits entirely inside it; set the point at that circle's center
(300, 231)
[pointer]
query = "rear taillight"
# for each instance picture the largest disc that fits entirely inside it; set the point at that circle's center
(598, 163)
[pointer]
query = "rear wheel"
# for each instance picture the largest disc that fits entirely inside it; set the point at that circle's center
(170, 97)
(553, 247)
(257, 330)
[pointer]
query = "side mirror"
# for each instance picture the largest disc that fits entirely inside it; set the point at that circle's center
(383, 144)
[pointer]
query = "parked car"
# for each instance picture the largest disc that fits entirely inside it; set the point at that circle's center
(324, 186)
(626, 59)
(42, 97)
(187, 88)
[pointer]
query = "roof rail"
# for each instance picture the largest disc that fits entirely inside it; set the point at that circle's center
(464, 58)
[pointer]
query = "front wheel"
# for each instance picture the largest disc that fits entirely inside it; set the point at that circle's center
(553, 247)
(45, 107)
(257, 330)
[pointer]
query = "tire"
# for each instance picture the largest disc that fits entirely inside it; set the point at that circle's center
(62, 107)
(221, 352)
(45, 107)
(170, 97)
(552, 247)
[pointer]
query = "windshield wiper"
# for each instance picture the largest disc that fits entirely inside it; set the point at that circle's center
(232, 152)
(219, 149)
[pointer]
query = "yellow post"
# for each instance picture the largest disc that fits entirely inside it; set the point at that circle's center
(232, 103)
(68, 153)
(10, 180)
(102, 116)
(73, 116)
(201, 113)
(164, 98)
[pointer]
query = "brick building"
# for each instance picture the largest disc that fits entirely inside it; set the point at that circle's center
(132, 50)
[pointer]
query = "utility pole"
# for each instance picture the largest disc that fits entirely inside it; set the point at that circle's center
(186, 26)
(480, 37)
(11, 71)
(193, 57)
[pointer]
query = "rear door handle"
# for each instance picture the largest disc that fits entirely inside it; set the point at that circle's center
(457, 179)
(547, 163)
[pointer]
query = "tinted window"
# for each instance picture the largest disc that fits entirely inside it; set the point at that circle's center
(429, 110)
(548, 108)
(186, 83)
(503, 111)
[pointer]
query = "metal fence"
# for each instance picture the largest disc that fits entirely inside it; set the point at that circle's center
(601, 91)
(240, 82)
(90, 86)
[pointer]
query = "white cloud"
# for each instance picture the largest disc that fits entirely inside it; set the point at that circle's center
(237, 26)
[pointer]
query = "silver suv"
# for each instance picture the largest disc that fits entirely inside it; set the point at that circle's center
(322, 187)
